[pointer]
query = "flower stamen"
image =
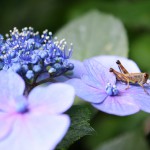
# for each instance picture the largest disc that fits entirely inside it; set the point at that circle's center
(111, 90)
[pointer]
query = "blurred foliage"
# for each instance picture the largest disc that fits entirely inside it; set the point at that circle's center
(54, 14)
(39, 14)
(133, 13)
(95, 33)
(141, 51)
(108, 126)
(129, 141)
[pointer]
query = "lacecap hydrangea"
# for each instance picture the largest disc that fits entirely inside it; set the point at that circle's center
(30, 54)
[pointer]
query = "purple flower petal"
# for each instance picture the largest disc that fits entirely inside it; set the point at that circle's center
(11, 84)
(140, 96)
(55, 98)
(87, 92)
(118, 105)
(110, 61)
(78, 70)
(92, 82)
(36, 132)
(5, 125)
(98, 72)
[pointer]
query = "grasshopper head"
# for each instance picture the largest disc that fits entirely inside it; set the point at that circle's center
(146, 76)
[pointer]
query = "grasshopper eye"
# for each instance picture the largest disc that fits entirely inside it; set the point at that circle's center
(146, 75)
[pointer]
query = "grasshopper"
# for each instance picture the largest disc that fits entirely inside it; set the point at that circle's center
(125, 76)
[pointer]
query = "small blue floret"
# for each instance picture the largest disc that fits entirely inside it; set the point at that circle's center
(29, 53)
(30, 74)
(37, 68)
(111, 90)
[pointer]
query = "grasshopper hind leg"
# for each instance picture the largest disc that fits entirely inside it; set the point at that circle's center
(128, 85)
(144, 89)
(121, 67)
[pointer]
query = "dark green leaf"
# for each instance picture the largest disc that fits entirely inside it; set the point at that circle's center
(80, 117)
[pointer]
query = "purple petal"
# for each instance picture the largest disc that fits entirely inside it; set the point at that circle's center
(78, 70)
(110, 61)
(87, 92)
(36, 132)
(5, 125)
(92, 82)
(140, 96)
(11, 84)
(55, 98)
(98, 72)
(118, 105)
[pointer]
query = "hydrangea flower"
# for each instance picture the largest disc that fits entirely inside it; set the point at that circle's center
(35, 122)
(30, 54)
(99, 87)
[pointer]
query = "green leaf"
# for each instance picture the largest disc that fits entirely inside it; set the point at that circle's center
(129, 141)
(95, 33)
(80, 117)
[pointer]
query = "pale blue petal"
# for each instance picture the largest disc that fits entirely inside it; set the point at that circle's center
(36, 132)
(110, 62)
(87, 92)
(55, 98)
(99, 73)
(140, 96)
(6, 122)
(92, 82)
(78, 70)
(11, 84)
(118, 105)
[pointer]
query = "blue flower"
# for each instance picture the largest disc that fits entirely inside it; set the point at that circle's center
(27, 51)
(35, 122)
(99, 87)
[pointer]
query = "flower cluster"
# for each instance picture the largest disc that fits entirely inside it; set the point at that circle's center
(35, 122)
(30, 54)
(99, 87)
